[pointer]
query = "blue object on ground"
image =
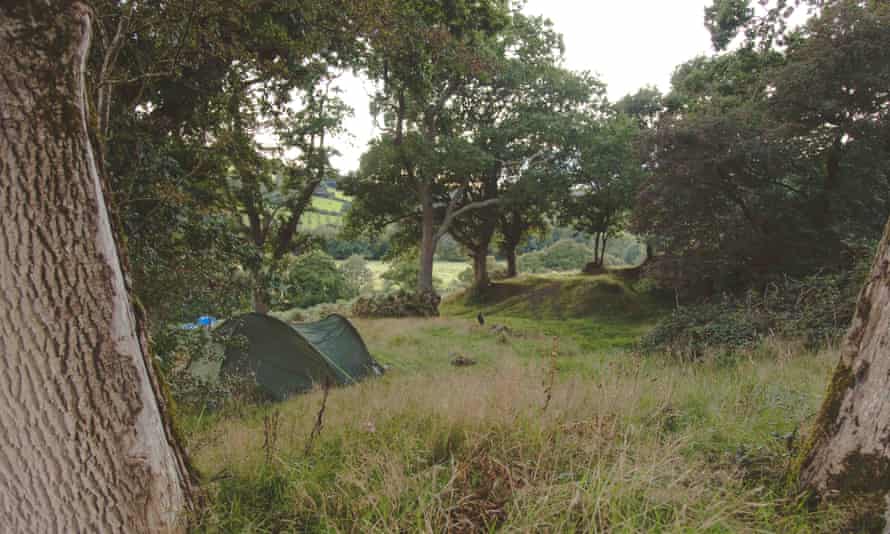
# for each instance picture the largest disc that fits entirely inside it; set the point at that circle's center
(206, 320)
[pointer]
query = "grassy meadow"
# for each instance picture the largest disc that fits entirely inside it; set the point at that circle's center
(559, 427)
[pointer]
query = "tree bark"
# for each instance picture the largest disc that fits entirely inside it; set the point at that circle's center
(428, 242)
(260, 300)
(510, 254)
(602, 258)
(849, 450)
(650, 253)
(597, 261)
(86, 444)
(481, 279)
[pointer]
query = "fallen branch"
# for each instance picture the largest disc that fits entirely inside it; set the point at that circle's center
(319, 419)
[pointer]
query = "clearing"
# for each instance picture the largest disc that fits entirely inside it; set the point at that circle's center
(560, 427)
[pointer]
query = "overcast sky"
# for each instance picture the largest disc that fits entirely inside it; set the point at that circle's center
(628, 43)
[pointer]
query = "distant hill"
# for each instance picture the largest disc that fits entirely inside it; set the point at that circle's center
(329, 206)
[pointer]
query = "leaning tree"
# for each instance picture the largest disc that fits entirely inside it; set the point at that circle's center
(86, 443)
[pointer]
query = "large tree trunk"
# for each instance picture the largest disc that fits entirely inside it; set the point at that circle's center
(428, 242)
(512, 268)
(85, 445)
(260, 294)
(849, 449)
(481, 279)
(597, 261)
(260, 300)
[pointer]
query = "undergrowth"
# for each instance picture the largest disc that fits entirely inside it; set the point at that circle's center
(815, 311)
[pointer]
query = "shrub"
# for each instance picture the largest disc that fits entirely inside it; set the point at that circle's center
(179, 352)
(402, 274)
(564, 255)
(310, 279)
(816, 310)
(689, 330)
(449, 250)
(357, 274)
(341, 248)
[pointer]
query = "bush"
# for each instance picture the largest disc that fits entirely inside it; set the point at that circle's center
(564, 255)
(359, 277)
(402, 274)
(689, 330)
(310, 279)
(449, 250)
(179, 351)
(816, 310)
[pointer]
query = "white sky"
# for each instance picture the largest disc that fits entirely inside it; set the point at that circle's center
(628, 43)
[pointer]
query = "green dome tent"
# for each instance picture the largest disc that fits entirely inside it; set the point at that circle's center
(288, 359)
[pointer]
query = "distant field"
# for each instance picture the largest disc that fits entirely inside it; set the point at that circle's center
(311, 220)
(323, 209)
(327, 204)
(342, 196)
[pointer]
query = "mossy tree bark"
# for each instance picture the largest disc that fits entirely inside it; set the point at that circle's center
(85, 442)
(849, 451)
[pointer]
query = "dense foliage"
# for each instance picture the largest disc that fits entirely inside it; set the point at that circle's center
(565, 255)
(771, 161)
(815, 310)
(310, 279)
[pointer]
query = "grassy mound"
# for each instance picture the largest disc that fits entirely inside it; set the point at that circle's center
(601, 312)
(558, 297)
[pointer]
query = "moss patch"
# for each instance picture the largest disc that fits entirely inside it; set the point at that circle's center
(825, 423)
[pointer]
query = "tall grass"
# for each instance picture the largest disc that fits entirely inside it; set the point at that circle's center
(627, 444)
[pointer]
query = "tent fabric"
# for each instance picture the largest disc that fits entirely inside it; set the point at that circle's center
(292, 359)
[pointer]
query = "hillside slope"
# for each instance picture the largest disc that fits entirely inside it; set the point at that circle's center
(329, 206)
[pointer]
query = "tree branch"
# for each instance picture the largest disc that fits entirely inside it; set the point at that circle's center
(450, 217)
(105, 87)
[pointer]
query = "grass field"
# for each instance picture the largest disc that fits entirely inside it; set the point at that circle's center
(311, 220)
(327, 204)
(342, 196)
(558, 428)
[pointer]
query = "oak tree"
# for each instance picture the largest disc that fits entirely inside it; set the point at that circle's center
(87, 442)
